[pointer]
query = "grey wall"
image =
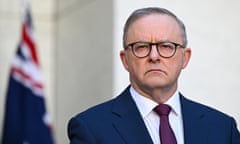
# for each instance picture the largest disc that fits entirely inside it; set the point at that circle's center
(84, 58)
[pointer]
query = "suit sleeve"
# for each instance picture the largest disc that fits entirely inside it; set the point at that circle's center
(235, 133)
(78, 133)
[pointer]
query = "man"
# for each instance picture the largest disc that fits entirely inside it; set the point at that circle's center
(154, 54)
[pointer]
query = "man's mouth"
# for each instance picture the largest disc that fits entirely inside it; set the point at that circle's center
(157, 70)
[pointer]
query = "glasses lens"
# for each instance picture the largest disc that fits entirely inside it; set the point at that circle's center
(141, 49)
(166, 49)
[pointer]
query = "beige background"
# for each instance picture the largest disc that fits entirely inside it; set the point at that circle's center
(79, 41)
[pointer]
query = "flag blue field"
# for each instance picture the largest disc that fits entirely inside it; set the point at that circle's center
(26, 120)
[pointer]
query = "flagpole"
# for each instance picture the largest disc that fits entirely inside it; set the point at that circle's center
(25, 5)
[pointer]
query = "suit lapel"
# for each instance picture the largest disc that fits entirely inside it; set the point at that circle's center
(194, 123)
(128, 121)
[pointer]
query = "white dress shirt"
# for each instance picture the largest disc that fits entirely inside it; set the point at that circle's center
(152, 120)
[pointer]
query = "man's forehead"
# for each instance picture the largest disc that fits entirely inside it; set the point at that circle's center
(154, 27)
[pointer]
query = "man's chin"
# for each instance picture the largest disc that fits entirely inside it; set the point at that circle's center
(156, 85)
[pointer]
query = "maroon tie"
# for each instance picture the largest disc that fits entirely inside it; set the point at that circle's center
(165, 132)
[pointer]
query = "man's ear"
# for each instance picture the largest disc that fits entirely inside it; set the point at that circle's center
(124, 59)
(186, 57)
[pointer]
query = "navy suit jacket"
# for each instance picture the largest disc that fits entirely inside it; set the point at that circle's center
(118, 121)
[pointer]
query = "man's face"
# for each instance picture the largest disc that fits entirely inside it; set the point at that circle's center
(154, 72)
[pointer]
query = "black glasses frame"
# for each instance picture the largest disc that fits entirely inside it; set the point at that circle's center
(176, 45)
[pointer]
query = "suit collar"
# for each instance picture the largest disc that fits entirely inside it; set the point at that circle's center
(128, 121)
(194, 122)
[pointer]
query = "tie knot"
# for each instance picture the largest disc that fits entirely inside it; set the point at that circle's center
(162, 109)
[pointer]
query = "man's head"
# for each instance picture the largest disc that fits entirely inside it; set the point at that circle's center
(154, 52)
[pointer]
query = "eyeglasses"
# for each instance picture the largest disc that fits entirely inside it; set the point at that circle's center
(165, 49)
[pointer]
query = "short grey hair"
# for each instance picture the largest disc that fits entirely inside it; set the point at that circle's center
(139, 13)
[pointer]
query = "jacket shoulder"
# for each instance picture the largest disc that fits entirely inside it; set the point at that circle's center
(211, 115)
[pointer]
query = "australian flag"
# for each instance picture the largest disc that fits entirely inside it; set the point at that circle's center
(26, 120)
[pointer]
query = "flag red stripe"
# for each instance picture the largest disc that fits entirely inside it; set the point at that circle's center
(30, 44)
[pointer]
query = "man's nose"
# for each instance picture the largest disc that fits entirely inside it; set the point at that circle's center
(154, 54)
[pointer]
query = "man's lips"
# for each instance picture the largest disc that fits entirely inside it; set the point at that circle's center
(156, 70)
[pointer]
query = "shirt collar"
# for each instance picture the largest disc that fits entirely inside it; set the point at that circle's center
(146, 105)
